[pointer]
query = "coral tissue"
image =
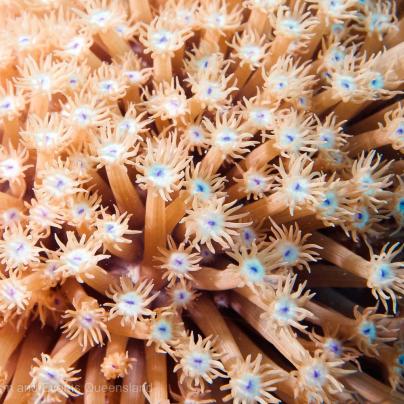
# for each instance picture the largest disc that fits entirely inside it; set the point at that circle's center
(201, 201)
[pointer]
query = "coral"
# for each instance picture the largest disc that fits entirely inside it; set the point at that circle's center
(201, 201)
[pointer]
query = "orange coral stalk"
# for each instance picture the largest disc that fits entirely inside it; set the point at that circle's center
(253, 315)
(250, 49)
(10, 337)
(114, 150)
(262, 154)
(142, 331)
(211, 322)
(51, 375)
(371, 122)
(87, 320)
(156, 373)
(8, 202)
(97, 386)
(162, 37)
(341, 256)
(247, 346)
(392, 133)
(125, 193)
(136, 375)
(116, 362)
(218, 21)
(113, 230)
(37, 341)
(214, 279)
(155, 231)
(380, 19)
(372, 389)
(115, 43)
(140, 10)
(260, 10)
(161, 173)
(12, 103)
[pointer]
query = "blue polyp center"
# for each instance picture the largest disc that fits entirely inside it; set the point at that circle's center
(377, 83)
(81, 210)
(285, 309)
(400, 206)
(198, 362)
(211, 224)
(253, 270)
(162, 331)
(107, 86)
(18, 247)
(212, 91)
(110, 227)
(129, 303)
(316, 375)
(201, 189)
(255, 183)
(248, 236)
(281, 85)
(337, 56)
(400, 129)
(346, 83)
(159, 174)
(298, 189)
(226, 138)
(261, 116)
(24, 40)
(87, 320)
(291, 26)
(334, 4)
(181, 296)
(195, 134)
(303, 102)
(250, 385)
(383, 274)
(337, 28)
(289, 253)
(377, 22)
(368, 330)
(179, 262)
(5, 104)
(327, 138)
(362, 219)
(288, 137)
(329, 204)
(334, 347)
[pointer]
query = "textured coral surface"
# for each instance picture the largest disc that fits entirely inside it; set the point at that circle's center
(201, 201)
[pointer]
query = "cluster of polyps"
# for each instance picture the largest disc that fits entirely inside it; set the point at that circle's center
(171, 175)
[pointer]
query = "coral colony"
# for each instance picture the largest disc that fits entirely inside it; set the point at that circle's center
(201, 201)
